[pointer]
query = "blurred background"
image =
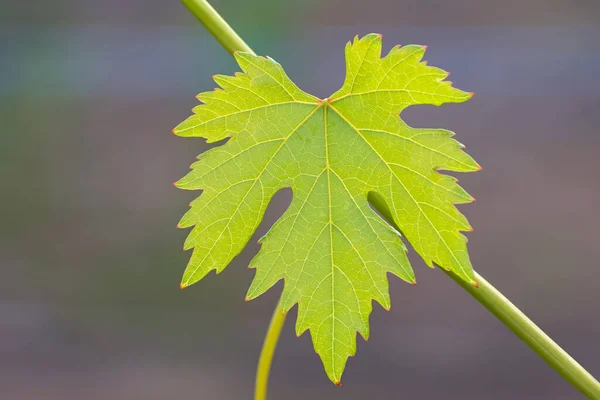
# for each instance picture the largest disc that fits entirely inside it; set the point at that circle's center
(90, 306)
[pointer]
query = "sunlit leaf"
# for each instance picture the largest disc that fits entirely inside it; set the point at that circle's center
(330, 247)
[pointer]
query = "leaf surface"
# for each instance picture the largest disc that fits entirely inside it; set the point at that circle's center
(332, 250)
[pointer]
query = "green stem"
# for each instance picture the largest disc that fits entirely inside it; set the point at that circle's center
(516, 321)
(485, 293)
(266, 354)
(216, 25)
(531, 334)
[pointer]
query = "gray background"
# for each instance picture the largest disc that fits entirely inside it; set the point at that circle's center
(89, 301)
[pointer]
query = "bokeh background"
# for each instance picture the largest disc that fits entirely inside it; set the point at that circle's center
(90, 306)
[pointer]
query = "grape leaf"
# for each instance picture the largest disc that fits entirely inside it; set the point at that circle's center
(332, 250)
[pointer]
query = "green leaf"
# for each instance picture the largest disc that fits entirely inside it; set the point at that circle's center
(332, 250)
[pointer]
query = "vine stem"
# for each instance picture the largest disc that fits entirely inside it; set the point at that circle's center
(217, 26)
(531, 334)
(485, 293)
(516, 321)
(267, 352)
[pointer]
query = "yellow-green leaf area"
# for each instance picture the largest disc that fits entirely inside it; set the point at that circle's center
(330, 248)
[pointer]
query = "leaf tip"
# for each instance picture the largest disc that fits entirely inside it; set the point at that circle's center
(414, 282)
(380, 36)
(470, 94)
(470, 227)
(447, 74)
(246, 298)
(479, 167)
(182, 286)
(338, 383)
(473, 199)
(424, 47)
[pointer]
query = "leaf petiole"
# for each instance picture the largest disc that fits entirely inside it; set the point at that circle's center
(267, 352)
